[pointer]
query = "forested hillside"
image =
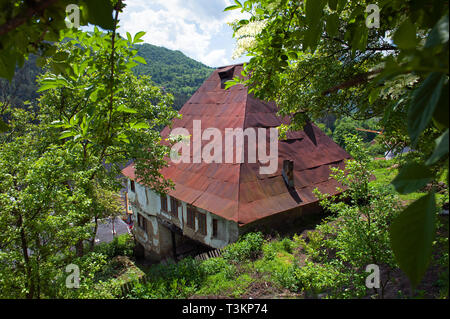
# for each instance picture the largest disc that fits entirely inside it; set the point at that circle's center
(172, 70)
(177, 73)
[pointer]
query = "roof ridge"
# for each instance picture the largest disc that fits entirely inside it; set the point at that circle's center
(240, 165)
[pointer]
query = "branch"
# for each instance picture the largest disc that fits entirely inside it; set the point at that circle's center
(357, 80)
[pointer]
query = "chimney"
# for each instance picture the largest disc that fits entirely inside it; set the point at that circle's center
(288, 173)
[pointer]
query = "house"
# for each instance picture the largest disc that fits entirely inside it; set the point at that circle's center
(214, 202)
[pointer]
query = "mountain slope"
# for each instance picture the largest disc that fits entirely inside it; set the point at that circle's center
(177, 73)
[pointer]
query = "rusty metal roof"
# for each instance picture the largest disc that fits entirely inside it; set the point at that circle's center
(237, 191)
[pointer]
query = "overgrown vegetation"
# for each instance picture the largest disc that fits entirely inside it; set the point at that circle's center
(60, 159)
(327, 262)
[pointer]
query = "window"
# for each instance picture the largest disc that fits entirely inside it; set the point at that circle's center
(163, 203)
(174, 207)
(142, 223)
(190, 217)
(215, 228)
(201, 223)
(133, 189)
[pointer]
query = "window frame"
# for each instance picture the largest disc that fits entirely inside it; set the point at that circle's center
(215, 228)
(142, 222)
(202, 226)
(190, 217)
(174, 203)
(163, 199)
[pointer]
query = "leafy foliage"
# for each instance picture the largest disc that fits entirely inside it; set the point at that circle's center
(59, 168)
(171, 70)
(31, 27)
(249, 246)
(321, 57)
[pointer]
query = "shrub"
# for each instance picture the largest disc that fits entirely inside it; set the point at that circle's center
(288, 245)
(121, 245)
(248, 247)
(287, 277)
(317, 278)
(214, 266)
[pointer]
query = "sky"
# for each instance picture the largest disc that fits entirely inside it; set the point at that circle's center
(198, 28)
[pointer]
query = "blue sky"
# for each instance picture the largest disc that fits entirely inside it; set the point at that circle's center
(198, 28)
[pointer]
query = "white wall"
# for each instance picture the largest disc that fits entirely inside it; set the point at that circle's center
(148, 201)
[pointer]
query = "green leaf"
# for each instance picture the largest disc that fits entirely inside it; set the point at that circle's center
(130, 65)
(412, 177)
(138, 36)
(122, 108)
(7, 64)
(423, 104)
(332, 25)
(333, 4)
(314, 11)
(140, 125)
(233, 7)
(439, 33)
(292, 55)
(440, 150)
(412, 234)
(405, 36)
(441, 114)
(66, 134)
(100, 12)
(47, 84)
(129, 38)
(139, 59)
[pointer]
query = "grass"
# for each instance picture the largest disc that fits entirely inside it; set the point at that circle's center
(384, 176)
(263, 267)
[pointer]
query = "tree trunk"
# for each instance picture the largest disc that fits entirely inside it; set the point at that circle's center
(79, 248)
(28, 270)
(92, 241)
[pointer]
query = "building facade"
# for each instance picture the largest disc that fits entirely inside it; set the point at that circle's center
(214, 202)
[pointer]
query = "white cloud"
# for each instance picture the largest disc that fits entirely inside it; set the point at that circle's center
(216, 57)
(196, 27)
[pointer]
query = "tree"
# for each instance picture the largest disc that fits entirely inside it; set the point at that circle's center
(33, 26)
(319, 57)
(60, 168)
(41, 205)
(102, 112)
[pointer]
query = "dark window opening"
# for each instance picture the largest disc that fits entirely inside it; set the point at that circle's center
(201, 223)
(163, 203)
(133, 189)
(190, 217)
(215, 225)
(174, 206)
(142, 223)
(225, 76)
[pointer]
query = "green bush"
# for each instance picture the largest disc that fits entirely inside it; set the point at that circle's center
(248, 247)
(317, 278)
(287, 277)
(288, 245)
(122, 245)
(213, 266)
